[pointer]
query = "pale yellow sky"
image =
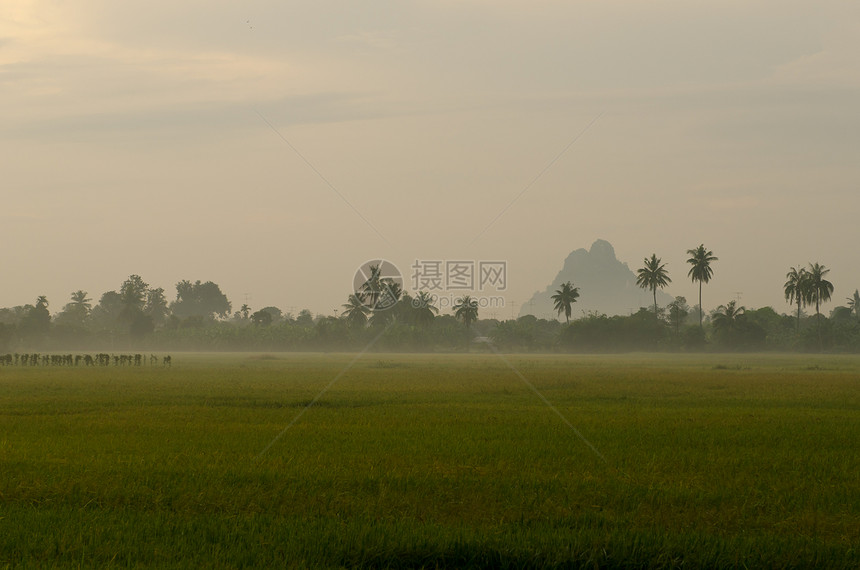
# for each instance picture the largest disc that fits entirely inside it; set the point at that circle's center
(134, 139)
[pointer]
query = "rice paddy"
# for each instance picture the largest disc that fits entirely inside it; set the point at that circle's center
(390, 460)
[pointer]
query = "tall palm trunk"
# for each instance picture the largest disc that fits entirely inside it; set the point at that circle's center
(701, 311)
(798, 314)
(818, 320)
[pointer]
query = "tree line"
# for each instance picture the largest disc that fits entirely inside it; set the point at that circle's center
(729, 326)
(200, 317)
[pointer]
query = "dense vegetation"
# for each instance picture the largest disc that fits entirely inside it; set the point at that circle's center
(201, 318)
(706, 461)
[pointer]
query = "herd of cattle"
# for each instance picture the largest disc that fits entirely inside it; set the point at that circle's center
(100, 359)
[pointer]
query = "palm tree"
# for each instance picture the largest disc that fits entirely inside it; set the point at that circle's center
(854, 303)
(725, 319)
(653, 275)
(245, 310)
(726, 316)
(371, 290)
(564, 298)
(425, 310)
(81, 302)
(355, 311)
(701, 271)
(466, 309)
(78, 309)
(379, 292)
(391, 293)
(37, 319)
(797, 289)
(820, 290)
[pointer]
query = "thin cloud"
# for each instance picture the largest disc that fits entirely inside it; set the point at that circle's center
(368, 39)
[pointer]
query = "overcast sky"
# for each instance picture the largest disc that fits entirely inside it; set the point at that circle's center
(273, 147)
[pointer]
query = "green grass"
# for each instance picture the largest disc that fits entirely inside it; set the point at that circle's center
(432, 461)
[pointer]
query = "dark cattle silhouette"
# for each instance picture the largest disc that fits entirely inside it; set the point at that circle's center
(100, 359)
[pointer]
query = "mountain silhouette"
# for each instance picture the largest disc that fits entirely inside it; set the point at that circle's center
(606, 286)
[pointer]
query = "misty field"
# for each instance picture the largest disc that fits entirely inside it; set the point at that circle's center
(434, 461)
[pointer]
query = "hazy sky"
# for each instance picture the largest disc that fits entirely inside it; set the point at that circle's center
(135, 137)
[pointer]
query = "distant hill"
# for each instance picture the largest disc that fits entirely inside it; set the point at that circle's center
(606, 285)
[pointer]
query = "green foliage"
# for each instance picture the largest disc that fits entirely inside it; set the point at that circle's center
(141, 326)
(854, 304)
(734, 329)
(105, 315)
(36, 322)
(700, 260)
(200, 300)
(466, 310)
(653, 275)
(77, 312)
(355, 312)
(599, 333)
(262, 318)
(527, 333)
(423, 309)
(139, 317)
(564, 298)
(132, 294)
(156, 307)
(820, 289)
(305, 318)
(7, 336)
(693, 339)
(678, 312)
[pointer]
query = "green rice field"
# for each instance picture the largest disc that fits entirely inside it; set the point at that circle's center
(432, 461)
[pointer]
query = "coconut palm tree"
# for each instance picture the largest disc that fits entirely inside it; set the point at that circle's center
(391, 293)
(797, 289)
(726, 316)
(81, 302)
(378, 292)
(425, 310)
(725, 319)
(77, 310)
(854, 303)
(564, 298)
(701, 271)
(466, 309)
(652, 276)
(37, 320)
(355, 311)
(820, 290)
(371, 290)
